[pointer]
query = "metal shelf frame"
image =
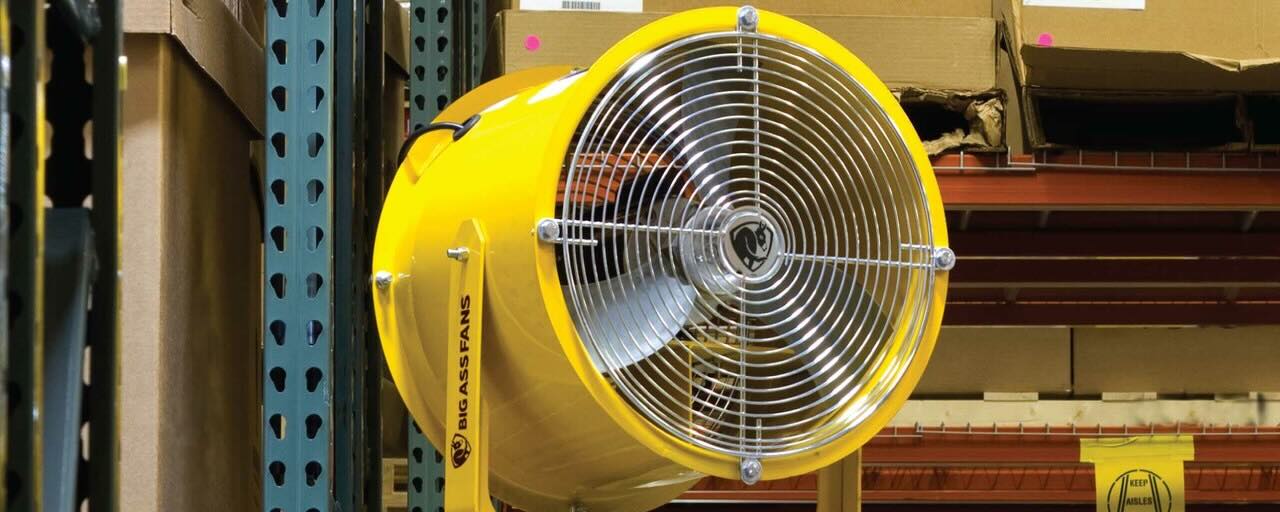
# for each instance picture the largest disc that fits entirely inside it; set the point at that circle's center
(35, 37)
(26, 256)
(325, 181)
(446, 50)
(298, 392)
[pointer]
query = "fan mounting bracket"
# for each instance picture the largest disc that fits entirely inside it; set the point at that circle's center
(466, 469)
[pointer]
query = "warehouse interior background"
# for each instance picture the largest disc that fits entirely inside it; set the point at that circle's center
(1109, 172)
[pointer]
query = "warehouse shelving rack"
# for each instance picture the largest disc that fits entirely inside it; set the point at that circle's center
(322, 367)
(60, 230)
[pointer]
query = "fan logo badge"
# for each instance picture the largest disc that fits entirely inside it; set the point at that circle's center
(1139, 490)
(752, 242)
(461, 450)
(459, 446)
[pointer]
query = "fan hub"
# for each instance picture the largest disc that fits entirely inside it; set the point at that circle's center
(752, 245)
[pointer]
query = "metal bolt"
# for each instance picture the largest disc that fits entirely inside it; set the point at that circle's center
(944, 258)
(748, 18)
(382, 279)
(458, 253)
(750, 470)
(548, 230)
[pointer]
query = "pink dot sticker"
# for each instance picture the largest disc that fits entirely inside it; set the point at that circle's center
(532, 43)
(1044, 39)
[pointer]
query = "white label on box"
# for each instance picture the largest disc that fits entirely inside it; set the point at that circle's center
(583, 5)
(1094, 4)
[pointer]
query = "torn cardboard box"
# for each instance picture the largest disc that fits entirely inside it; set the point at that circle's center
(953, 59)
(955, 120)
(1171, 45)
(1119, 64)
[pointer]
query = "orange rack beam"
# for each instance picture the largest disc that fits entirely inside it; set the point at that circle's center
(1023, 465)
(1083, 179)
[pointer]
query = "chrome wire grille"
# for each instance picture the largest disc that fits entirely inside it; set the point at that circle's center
(743, 236)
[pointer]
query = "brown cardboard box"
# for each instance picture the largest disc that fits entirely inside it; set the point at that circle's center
(191, 316)
(191, 304)
(221, 48)
(1015, 138)
(1171, 45)
(1198, 360)
(252, 16)
(933, 63)
(975, 360)
(931, 53)
(1177, 75)
(962, 8)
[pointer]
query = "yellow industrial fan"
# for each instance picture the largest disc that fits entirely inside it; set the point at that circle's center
(719, 250)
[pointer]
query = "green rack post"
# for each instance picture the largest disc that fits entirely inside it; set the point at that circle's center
(446, 55)
(298, 290)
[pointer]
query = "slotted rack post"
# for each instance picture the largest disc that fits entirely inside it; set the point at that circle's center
(26, 257)
(348, 418)
(297, 414)
(357, 192)
(102, 414)
(322, 370)
(370, 196)
(446, 54)
(60, 317)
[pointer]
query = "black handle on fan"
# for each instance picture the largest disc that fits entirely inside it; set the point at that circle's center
(459, 129)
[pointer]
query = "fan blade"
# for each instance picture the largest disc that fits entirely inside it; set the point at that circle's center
(705, 143)
(665, 304)
(807, 330)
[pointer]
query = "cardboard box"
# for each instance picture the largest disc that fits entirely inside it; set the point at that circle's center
(928, 53)
(1176, 75)
(961, 8)
(1197, 360)
(252, 16)
(976, 360)
(1015, 135)
(220, 46)
(942, 67)
(1171, 45)
(191, 308)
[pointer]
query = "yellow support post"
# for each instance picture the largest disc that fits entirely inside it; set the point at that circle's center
(840, 485)
(466, 467)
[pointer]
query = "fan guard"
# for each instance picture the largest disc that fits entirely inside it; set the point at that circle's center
(744, 244)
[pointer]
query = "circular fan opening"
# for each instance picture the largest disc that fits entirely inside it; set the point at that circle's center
(750, 265)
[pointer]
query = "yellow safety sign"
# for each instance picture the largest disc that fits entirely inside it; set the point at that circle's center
(1139, 474)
